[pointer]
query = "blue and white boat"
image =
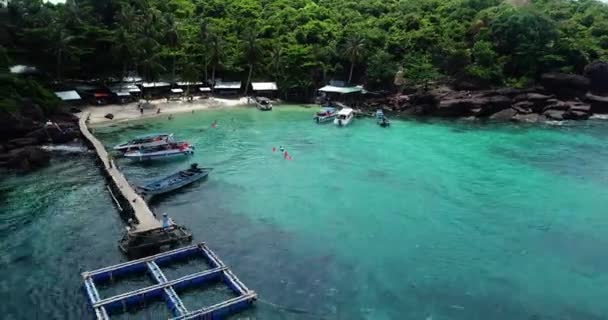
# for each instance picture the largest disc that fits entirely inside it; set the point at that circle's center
(381, 119)
(171, 150)
(146, 141)
(326, 114)
(174, 181)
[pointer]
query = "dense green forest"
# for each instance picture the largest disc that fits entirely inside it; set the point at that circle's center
(304, 43)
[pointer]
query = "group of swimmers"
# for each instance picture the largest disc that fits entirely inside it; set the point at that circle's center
(286, 155)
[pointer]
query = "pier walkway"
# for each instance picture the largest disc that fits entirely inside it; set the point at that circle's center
(146, 220)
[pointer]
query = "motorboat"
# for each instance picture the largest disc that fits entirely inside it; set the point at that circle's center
(174, 181)
(146, 141)
(263, 103)
(171, 150)
(325, 114)
(381, 119)
(344, 117)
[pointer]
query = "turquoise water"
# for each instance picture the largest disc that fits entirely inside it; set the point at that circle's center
(424, 220)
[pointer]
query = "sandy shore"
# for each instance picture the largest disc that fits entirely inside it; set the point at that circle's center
(130, 111)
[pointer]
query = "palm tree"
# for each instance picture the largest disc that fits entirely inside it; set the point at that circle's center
(276, 62)
(216, 51)
(123, 49)
(204, 37)
(354, 49)
(61, 47)
(251, 52)
(172, 41)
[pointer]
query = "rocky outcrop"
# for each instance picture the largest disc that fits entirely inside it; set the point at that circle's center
(565, 84)
(597, 73)
(25, 159)
(504, 115)
(598, 104)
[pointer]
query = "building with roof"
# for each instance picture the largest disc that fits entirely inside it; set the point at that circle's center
(227, 88)
(69, 97)
(267, 89)
(347, 94)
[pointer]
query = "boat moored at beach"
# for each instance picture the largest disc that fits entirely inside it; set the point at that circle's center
(263, 103)
(381, 119)
(171, 150)
(325, 114)
(344, 117)
(174, 181)
(146, 141)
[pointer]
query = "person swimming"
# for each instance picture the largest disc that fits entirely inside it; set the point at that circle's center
(281, 149)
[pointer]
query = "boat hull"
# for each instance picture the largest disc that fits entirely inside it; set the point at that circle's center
(324, 119)
(142, 156)
(343, 122)
(173, 182)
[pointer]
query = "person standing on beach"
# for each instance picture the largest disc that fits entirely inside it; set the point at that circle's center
(141, 109)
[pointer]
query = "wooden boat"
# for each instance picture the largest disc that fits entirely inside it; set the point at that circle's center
(146, 141)
(326, 114)
(344, 117)
(174, 181)
(381, 119)
(263, 103)
(171, 150)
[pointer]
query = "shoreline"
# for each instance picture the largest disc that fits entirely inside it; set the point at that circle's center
(130, 112)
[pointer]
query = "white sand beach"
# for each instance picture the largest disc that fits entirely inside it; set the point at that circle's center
(130, 111)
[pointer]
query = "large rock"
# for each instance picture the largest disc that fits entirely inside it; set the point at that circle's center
(420, 110)
(575, 115)
(22, 142)
(523, 107)
(599, 104)
(557, 105)
(109, 116)
(565, 84)
(13, 125)
(26, 159)
(597, 72)
(529, 118)
(538, 100)
(504, 115)
(455, 107)
(554, 114)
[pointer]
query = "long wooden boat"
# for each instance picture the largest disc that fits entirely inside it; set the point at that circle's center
(175, 181)
(145, 141)
(171, 150)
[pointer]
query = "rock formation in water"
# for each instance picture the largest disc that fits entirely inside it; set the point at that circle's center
(560, 96)
(23, 130)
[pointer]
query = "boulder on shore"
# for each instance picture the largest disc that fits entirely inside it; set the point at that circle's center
(599, 104)
(529, 118)
(597, 72)
(109, 116)
(25, 159)
(523, 107)
(554, 114)
(504, 115)
(565, 84)
(575, 115)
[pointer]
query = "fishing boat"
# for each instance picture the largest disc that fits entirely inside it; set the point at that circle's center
(381, 119)
(146, 141)
(174, 181)
(263, 103)
(325, 114)
(344, 117)
(171, 150)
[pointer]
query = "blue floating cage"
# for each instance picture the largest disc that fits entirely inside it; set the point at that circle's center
(166, 289)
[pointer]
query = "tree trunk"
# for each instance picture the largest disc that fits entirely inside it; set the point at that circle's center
(58, 65)
(213, 76)
(248, 79)
(173, 69)
(206, 64)
(350, 75)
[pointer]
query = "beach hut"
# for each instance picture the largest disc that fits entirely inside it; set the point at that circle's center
(266, 89)
(227, 88)
(345, 94)
(176, 93)
(70, 97)
(155, 89)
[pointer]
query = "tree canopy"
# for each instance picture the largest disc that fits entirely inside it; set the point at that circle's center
(304, 43)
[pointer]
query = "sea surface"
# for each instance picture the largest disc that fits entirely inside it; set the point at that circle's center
(427, 219)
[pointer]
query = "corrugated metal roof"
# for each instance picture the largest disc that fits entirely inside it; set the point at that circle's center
(228, 85)
(22, 69)
(68, 95)
(344, 90)
(264, 86)
(189, 83)
(204, 89)
(125, 87)
(177, 90)
(155, 84)
(122, 93)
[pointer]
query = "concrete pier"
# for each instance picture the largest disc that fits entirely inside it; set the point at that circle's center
(147, 232)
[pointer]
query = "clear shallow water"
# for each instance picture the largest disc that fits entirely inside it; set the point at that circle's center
(453, 220)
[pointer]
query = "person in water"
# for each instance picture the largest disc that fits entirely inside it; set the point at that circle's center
(281, 149)
(214, 124)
